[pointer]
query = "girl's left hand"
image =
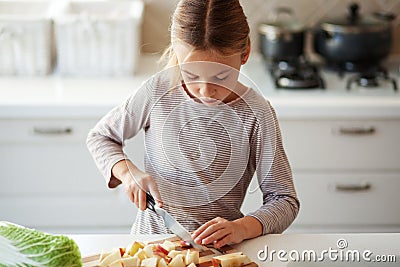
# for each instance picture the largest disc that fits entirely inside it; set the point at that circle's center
(220, 232)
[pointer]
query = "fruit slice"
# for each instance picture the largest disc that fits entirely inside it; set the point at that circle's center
(231, 260)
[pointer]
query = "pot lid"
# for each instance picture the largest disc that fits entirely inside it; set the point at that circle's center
(282, 20)
(355, 23)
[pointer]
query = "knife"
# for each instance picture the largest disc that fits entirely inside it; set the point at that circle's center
(171, 223)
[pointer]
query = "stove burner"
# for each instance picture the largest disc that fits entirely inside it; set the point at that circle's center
(298, 74)
(371, 78)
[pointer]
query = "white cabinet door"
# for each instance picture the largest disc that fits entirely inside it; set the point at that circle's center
(348, 199)
(49, 179)
(336, 145)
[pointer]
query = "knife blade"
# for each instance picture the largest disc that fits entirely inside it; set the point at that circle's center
(173, 225)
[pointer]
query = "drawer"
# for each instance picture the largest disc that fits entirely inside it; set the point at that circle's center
(348, 199)
(53, 160)
(342, 145)
(45, 130)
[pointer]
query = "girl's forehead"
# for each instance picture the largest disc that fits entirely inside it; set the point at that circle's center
(187, 53)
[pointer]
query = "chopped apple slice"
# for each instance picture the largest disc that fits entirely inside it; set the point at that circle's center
(231, 260)
(168, 245)
(141, 254)
(192, 265)
(112, 257)
(172, 254)
(148, 249)
(150, 262)
(162, 263)
(132, 249)
(177, 261)
(131, 262)
(192, 257)
(103, 255)
(116, 263)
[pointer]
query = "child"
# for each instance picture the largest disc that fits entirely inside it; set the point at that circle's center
(206, 135)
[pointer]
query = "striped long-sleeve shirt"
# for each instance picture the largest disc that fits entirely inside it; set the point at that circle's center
(202, 158)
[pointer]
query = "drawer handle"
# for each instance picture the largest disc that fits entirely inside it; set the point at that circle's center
(52, 131)
(357, 130)
(353, 187)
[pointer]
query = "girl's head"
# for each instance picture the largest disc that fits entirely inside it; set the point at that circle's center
(209, 31)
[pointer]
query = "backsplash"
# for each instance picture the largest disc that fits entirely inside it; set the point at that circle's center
(155, 35)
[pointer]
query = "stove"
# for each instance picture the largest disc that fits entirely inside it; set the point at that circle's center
(296, 74)
(371, 78)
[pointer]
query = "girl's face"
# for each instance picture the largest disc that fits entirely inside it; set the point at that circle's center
(208, 77)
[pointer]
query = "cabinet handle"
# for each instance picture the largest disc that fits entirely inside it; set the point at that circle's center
(52, 131)
(353, 187)
(357, 130)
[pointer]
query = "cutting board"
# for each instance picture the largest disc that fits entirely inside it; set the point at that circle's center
(205, 256)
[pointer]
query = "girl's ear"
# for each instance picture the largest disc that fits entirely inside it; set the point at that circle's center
(246, 54)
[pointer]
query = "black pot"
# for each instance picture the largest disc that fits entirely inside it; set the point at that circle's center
(281, 38)
(355, 40)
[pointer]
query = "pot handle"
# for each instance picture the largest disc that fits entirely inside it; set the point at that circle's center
(386, 16)
(279, 14)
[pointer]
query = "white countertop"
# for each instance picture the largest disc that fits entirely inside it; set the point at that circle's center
(55, 96)
(377, 244)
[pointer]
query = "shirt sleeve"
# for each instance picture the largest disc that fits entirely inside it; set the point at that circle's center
(106, 140)
(280, 203)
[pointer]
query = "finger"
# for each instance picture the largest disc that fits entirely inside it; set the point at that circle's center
(211, 229)
(155, 193)
(223, 241)
(216, 236)
(203, 227)
(142, 200)
(136, 198)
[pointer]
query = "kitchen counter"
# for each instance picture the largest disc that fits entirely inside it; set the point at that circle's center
(55, 96)
(381, 245)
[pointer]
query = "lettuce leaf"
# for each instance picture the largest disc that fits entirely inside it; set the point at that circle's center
(20, 246)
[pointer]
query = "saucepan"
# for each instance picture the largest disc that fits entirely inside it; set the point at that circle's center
(281, 37)
(359, 39)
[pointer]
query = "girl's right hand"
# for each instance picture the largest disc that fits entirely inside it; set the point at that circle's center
(137, 186)
(136, 183)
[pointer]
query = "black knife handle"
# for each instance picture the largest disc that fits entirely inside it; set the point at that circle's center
(150, 201)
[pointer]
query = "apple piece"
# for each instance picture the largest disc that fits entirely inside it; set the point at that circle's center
(140, 254)
(116, 263)
(132, 249)
(192, 257)
(113, 256)
(150, 262)
(162, 263)
(172, 254)
(230, 260)
(192, 265)
(168, 245)
(162, 249)
(177, 261)
(104, 254)
(149, 250)
(131, 262)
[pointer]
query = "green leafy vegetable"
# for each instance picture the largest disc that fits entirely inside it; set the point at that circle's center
(24, 247)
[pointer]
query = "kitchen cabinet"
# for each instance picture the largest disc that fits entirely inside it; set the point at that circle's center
(49, 180)
(346, 173)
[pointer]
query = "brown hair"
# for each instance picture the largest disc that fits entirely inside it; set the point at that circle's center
(218, 26)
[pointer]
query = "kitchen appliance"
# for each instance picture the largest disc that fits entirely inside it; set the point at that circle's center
(296, 74)
(354, 42)
(281, 37)
(371, 78)
(171, 223)
(282, 46)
